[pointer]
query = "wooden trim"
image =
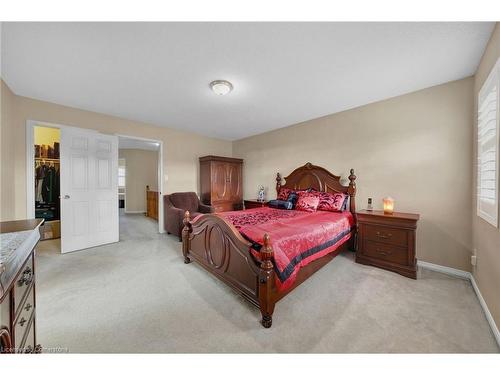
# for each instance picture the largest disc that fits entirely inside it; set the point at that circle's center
(220, 158)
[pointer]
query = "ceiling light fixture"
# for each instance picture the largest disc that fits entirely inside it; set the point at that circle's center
(221, 87)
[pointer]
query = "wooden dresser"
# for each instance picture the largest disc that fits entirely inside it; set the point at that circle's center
(152, 203)
(17, 286)
(221, 181)
(388, 241)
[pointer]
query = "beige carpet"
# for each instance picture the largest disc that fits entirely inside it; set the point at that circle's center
(138, 296)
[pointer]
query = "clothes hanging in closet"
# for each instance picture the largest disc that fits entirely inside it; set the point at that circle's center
(47, 190)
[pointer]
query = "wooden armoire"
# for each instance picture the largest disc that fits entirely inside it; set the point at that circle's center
(221, 182)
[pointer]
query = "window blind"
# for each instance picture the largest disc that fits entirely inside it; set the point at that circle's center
(488, 148)
(121, 176)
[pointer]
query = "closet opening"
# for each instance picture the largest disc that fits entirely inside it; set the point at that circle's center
(46, 164)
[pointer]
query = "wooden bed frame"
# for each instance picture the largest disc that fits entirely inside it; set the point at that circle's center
(218, 246)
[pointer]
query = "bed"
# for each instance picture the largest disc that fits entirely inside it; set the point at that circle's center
(265, 253)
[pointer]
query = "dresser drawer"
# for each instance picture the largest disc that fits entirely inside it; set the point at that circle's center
(22, 322)
(23, 283)
(387, 235)
(385, 252)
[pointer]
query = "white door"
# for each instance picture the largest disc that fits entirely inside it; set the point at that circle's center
(89, 189)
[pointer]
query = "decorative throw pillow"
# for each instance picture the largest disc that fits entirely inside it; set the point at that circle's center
(283, 194)
(293, 198)
(346, 201)
(284, 205)
(331, 201)
(307, 202)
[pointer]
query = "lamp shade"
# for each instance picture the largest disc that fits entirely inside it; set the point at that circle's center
(388, 205)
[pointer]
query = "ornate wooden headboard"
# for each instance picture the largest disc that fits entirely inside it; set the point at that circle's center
(318, 178)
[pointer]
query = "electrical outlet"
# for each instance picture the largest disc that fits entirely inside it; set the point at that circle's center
(473, 260)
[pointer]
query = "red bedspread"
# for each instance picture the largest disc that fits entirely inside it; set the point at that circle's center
(297, 237)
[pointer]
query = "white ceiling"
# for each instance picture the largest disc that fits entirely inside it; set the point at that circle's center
(283, 73)
(137, 144)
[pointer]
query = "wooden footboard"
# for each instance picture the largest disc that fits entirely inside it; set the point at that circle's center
(218, 247)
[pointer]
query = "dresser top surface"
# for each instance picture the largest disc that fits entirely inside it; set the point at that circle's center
(19, 225)
(394, 215)
(220, 158)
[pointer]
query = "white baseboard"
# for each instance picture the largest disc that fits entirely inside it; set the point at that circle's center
(489, 317)
(469, 276)
(445, 270)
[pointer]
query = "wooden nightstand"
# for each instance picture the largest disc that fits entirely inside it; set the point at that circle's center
(254, 203)
(388, 241)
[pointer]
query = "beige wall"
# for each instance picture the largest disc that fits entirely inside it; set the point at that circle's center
(180, 156)
(141, 170)
(46, 136)
(486, 238)
(415, 148)
(7, 133)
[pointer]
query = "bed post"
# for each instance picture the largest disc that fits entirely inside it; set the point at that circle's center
(278, 182)
(352, 207)
(266, 283)
(186, 245)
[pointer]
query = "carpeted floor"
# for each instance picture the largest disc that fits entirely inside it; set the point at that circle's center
(138, 296)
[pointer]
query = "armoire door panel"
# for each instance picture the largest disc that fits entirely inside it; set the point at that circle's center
(219, 183)
(233, 181)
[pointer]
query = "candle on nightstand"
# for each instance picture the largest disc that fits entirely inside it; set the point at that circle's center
(388, 205)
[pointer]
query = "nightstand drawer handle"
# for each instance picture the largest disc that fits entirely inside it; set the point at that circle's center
(389, 235)
(384, 253)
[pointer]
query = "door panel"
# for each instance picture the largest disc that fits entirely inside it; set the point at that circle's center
(219, 188)
(89, 189)
(234, 181)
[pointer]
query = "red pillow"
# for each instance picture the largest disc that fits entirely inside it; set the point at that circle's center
(331, 201)
(283, 194)
(307, 201)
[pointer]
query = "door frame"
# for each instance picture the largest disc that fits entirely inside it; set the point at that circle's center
(30, 172)
(161, 228)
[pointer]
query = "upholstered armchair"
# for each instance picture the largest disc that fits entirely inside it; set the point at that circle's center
(176, 204)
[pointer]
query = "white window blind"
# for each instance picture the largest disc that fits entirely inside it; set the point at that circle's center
(121, 176)
(488, 148)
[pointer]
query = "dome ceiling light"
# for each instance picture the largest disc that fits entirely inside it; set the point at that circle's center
(221, 87)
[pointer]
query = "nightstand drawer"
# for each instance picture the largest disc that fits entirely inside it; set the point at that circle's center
(385, 252)
(388, 235)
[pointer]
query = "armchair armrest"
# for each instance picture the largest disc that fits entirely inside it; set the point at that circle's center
(205, 209)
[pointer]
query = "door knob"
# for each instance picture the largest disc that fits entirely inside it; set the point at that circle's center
(66, 196)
